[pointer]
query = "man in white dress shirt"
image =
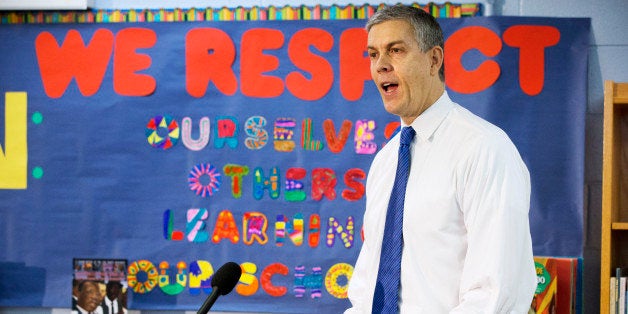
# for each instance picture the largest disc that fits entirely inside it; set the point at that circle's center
(111, 302)
(467, 245)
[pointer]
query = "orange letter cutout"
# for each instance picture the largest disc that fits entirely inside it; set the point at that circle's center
(209, 55)
(253, 63)
(267, 275)
(354, 63)
(126, 62)
(531, 41)
(321, 71)
(460, 79)
(87, 64)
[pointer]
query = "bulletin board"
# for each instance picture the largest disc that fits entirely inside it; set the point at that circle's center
(181, 146)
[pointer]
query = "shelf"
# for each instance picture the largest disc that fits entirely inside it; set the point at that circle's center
(614, 249)
(620, 94)
(619, 226)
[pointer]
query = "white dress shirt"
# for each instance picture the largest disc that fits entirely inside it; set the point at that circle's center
(467, 245)
(113, 306)
(80, 310)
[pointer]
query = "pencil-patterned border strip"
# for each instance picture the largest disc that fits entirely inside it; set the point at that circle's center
(271, 13)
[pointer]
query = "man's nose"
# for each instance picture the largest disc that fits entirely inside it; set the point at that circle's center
(383, 64)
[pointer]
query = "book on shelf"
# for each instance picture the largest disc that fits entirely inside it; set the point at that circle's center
(613, 296)
(544, 300)
(622, 295)
(618, 291)
(558, 289)
(567, 295)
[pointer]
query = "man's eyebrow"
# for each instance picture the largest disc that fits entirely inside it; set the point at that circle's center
(390, 44)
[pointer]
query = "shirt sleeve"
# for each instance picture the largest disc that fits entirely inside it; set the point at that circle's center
(494, 195)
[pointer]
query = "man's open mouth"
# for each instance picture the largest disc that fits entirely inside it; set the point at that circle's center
(389, 87)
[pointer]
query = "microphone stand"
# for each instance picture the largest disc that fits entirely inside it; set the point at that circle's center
(209, 301)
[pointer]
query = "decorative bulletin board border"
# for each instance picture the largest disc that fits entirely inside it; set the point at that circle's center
(271, 13)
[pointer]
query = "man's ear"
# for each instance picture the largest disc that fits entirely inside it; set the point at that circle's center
(436, 56)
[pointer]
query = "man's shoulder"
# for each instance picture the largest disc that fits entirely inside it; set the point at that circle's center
(471, 126)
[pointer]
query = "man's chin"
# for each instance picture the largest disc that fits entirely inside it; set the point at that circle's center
(390, 107)
(92, 307)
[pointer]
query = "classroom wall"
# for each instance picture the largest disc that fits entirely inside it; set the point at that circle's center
(608, 60)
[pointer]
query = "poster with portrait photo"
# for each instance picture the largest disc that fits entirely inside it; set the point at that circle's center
(99, 286)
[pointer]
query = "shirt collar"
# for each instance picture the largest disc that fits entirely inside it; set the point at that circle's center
(426, 124)
(82, 310)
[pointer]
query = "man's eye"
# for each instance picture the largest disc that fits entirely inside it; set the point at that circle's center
(373, 55)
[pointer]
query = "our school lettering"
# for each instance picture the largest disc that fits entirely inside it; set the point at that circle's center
(144, 277)
(211, 53)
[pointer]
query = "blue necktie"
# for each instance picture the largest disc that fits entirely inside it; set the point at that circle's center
(386, 297)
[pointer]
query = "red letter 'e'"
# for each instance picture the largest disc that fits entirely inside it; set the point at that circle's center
(126, 62)
(253, 63)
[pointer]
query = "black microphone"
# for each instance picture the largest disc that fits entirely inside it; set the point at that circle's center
(223, 281)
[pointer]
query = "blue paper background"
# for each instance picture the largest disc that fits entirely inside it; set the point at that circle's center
(105, 189)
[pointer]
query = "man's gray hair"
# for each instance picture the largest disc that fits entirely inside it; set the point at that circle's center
(427, 31)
